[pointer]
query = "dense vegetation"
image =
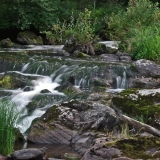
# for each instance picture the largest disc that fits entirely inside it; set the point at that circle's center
(136, 23)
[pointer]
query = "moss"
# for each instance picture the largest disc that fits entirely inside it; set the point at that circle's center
(135, 147)
(6, 82)
(52, 114)
(135, 104)
(30, 38)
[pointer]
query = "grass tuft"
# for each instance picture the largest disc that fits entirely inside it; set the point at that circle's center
(8, 118)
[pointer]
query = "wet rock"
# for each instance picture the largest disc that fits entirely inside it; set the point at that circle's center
(140, 103)
(50, 134)
(125, 58)
(4, 158)
(45, 91)
(156, 154)
(109, 57)
(145, 83)
(147, 68)
(29, 154)
(28, 37)
(10, 82)
(99, 48)
(6, 43)
(83, 142)
(101, 154)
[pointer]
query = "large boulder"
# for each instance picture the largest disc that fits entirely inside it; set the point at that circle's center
(147, 68)
(141, 104)
(29, 154)
(28, 37)
(11, 82)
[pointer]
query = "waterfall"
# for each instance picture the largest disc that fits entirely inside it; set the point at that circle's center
(121, 82)
(22, 99)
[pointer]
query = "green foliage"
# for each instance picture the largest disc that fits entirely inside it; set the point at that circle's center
(8, 118)
(27, 13)
(134, 27)
(145, 43)
(81, 29)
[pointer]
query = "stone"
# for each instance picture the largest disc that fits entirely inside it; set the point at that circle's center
(50, 134)
(156, 154)
(28, 154)
(147, 68)
(28, 37)
(6, 43)
(109, 57)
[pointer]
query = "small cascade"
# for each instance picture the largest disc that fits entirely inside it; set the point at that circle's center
(23, 98)
(121, 82)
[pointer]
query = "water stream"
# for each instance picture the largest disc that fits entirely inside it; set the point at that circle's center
(43, 74)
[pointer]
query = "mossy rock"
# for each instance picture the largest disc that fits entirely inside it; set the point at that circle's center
(9, 82)
(51, 115)
(136, 147)
(100, 48)
(28, 37)
(6, 43)
(136, 104)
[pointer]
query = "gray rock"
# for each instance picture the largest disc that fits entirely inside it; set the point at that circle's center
(28, 154)
(142, 82)
(109, 57)
(50, 134)
(147, 68)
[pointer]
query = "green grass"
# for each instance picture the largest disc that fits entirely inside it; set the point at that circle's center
(145, 43)
(8, 118)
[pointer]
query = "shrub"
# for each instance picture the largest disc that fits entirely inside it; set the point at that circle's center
(82, 29)
(8, 118)
(139, 13)
(145, 43)
(138, 29)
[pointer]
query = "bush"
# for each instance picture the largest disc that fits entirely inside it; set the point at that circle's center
(140, 13)
(145, 43)
(8, 118)
(134, 28)
(82, 29)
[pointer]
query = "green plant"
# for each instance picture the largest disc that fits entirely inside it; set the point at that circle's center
(8, 118)
(81, 29)
(140, 13)
(145, 43)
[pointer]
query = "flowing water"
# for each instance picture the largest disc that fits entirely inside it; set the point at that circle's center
(44, 75)
(47, 73)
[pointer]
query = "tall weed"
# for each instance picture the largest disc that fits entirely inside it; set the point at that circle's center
(8, 118)
(145, 43)
(82, 29)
